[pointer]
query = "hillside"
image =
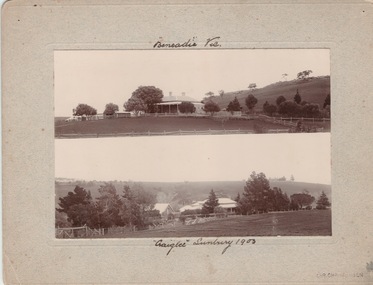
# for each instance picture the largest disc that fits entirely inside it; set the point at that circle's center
(313, 90)
(179, 193)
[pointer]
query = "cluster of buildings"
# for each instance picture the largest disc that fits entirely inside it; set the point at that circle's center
(166, 210)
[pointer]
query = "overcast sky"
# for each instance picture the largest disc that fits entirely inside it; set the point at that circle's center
(195, 158)
(100, 77)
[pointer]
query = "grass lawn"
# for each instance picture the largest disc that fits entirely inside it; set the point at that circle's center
(300, 223)
(159, 124)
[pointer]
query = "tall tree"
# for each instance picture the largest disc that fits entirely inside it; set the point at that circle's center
(110, 109)
(221, 93)
(149, 97)
(250, 102)
(297, 98)
(212, 202)
(234, 106)
(108, 206)
(136, 203)
(256, 193)
(211, 107)
(84, 109)
(78, 207)
(322, 202)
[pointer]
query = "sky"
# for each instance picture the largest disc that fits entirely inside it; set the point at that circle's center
(195, 158)
(110, 76)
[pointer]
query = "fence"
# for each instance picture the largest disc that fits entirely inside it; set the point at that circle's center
(149, 133)
(78, 232)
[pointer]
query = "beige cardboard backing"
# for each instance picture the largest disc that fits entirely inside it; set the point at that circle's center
(31, 30)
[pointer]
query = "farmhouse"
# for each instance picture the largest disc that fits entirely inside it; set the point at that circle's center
(164, 209)
(228, 204)
(170, 104)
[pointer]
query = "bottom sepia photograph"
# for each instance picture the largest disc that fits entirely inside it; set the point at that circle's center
(193, 186)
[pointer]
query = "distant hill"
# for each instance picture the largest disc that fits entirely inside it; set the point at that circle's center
(312, 90)
(179, 193)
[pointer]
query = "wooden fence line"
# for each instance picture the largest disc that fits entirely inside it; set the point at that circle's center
(180, 132)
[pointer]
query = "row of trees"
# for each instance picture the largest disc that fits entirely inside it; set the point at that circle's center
(233, 106)
(86, 110)
(297, 107)
(133, 208)
(259, 197)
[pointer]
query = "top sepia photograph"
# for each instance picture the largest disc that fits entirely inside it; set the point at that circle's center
(120, 93)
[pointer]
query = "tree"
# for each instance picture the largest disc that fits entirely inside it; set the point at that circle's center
(108, 206)
(278, 200)
(84, 109)
(211, 107)
(292, 178)
(250, 102)
(322, 202)
(187, 107)
(297, 98)
(310, 110)
(279, 100)
(327, 101)
(234, 106)
(78, 207)
(269, 108)
(221, 93)
(256, 193)
(252, 86)
(135, 104)
(304, 74)
(285, 76)
(136, 203)
(110, 109)
(302, 199)
(289, 108)
(211, 203)
(209, 95)
(146, 98)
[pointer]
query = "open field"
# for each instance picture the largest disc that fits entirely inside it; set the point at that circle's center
(299, 223)
(164, 125)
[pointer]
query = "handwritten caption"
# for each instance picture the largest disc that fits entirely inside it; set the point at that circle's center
(212, 42)
(225, 243)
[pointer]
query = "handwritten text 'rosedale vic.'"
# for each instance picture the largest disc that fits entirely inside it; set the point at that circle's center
(170, 245)
(190, 43)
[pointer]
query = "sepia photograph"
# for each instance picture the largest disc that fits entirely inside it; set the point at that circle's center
(193, 186)
(130, 160)
(181, 92)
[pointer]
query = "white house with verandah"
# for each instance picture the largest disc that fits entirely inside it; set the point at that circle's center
(228, 204)
(170, 104)
(164, 209)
